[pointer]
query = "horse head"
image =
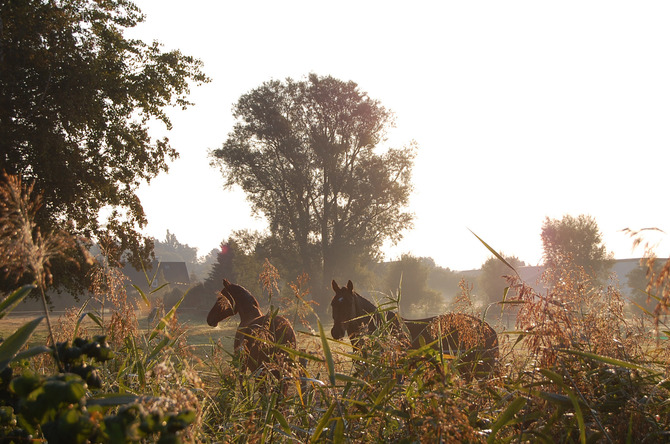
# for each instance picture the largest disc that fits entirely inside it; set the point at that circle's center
(344, 308)
(225, 305)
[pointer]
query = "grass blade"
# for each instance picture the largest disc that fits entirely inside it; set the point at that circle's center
(558, 380)
(10, 302)
(322, 422)
(96, 319)
(32, 351)
(495, 253)
(143, 295)
(282, 422)
(78, 324)
(329, 356)
(11, 346)
(607, 360)
(157, 349)
(506, 417)
(164, 321)
(353, 379)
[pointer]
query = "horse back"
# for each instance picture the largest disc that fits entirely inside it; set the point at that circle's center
(282, 330)
(256, 339)
(457, 331)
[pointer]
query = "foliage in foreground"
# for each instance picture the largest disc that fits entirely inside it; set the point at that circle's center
(574, 370)
(69, 405)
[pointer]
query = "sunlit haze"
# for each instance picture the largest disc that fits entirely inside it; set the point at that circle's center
(521, 110)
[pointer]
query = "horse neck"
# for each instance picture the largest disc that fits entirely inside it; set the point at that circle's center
(363, 306)
(248, 308)
(365, 310)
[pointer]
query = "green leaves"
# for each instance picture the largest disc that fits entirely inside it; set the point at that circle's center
(91, 85)
(10, 302)
(304, 153)
(60, 408)
(11, 346)
(506, 417)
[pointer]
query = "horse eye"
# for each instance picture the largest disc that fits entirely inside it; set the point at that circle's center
(341, 299)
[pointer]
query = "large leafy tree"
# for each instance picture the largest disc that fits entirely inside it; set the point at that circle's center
(76, 102)
(575, 241)
(307, 154)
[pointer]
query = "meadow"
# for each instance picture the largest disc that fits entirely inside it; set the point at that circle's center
(577, 367)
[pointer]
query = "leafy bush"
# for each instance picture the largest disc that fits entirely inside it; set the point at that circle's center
(67, 407)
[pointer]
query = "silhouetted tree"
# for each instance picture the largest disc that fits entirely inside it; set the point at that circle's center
(239, 260)
(445, 281)
(410, 274)
(76, 99)
(171, 250)
(307, 155)
(575, 241)
(491, 283)
(223, 267)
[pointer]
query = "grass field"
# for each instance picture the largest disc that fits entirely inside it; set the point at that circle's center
(570, 371)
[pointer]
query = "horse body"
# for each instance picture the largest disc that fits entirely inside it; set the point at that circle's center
(257, 333)
(457, 332)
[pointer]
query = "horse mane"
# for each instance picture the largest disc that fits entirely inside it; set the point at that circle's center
(245, 296)
(363, 303)
(246, 305)
(372, 313)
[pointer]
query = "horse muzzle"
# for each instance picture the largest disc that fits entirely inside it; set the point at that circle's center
(338, 331)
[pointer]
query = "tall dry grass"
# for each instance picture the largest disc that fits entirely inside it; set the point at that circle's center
(574, 369)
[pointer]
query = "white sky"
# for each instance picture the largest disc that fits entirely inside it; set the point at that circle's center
(521, 109)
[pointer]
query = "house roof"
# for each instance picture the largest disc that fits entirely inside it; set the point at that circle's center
(164, 272)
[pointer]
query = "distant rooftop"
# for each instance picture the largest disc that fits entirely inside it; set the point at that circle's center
(164, 272)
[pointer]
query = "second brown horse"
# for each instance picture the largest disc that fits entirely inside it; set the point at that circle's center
(257, 335)
(472, 338)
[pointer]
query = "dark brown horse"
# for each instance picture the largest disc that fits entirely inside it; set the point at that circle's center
(472, 339)
(257, 333)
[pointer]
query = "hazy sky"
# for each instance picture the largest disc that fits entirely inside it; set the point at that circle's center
(521, 109)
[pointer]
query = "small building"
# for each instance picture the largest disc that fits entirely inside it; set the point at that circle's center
(173, 273)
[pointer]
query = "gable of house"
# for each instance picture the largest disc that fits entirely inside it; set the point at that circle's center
(160, 273)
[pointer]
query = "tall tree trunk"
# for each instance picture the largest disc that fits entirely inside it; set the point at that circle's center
(326, 262)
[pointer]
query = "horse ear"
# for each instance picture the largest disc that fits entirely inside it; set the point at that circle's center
(350, 286)
(335, 286)
(226, 283)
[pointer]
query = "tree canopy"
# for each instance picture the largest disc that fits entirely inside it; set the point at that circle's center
(76, 102)
(574, 240)
(307, 154)
(410, 275)
(491, 283)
